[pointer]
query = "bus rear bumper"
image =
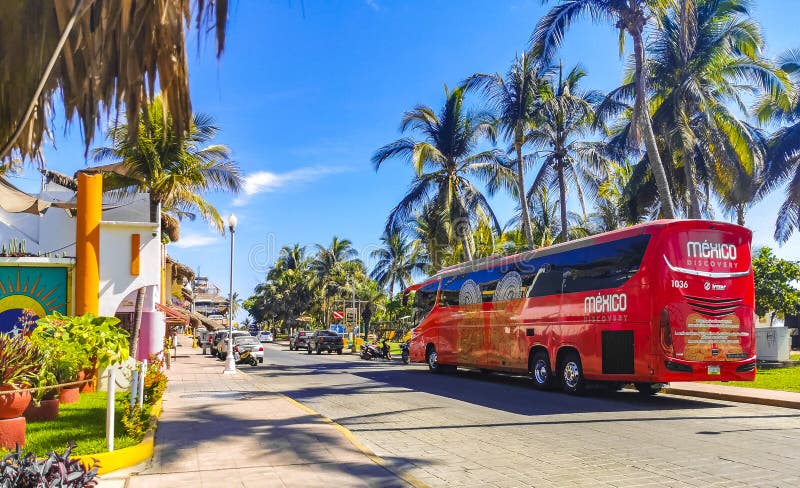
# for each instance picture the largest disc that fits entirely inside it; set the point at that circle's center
(679, 370)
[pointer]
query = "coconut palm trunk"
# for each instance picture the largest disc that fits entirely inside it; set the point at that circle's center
(523, 202)
(740, 214)
(646, 126)
(691, 184)
(562, 197)
(137, 322)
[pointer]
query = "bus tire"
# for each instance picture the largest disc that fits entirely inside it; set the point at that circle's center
(540, 371)
(432, 358)
(571, 372)
(647, 389)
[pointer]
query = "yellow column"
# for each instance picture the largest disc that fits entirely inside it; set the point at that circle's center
(87, 243)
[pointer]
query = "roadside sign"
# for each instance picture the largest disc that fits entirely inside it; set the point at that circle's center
(338, 328)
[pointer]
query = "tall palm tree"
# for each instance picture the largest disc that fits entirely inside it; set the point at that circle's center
(783, 157)
(705, 56)
(397, 261)
(174, 168)
(565, 114)
(515, 98)
(609, 213)
(444, 162)
(631, 17)
(334, 266)
(51, 49)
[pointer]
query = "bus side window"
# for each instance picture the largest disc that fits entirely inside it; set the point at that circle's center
(546, 281)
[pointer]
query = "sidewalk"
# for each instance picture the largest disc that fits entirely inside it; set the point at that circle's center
(722, 391)
(218, 430)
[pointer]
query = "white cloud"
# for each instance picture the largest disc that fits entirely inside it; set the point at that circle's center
(265, 181)
(373, 4)
(196, 240)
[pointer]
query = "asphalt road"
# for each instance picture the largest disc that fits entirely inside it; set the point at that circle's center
(472, 429)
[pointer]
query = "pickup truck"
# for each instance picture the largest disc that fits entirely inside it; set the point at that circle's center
(325, 340)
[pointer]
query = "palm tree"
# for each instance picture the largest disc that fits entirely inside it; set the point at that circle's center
(609, 213)
(515, 98)
(631, 17)
(545, 220)
(52, 48)
(334, 266)
(704, 56)
(564, 115)
(783, 157)
(174, 168)
(444, 162)
(397, 262)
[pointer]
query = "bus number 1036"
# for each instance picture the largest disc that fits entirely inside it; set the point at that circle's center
(680, 284)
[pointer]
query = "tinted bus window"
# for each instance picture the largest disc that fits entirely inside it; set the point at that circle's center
(607, 265)
(424, 300)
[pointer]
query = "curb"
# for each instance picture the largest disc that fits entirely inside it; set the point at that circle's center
(408, 478)
(109, 462)
(732, 397)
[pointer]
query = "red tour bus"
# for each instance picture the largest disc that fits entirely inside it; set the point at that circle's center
(670, 300)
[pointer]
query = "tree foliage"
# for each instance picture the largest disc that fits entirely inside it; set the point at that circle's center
(777, 284)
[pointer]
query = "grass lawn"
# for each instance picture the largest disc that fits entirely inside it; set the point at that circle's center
(783, 379)
(795, 356)
(83, 423)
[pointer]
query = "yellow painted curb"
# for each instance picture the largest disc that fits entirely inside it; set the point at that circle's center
(128, 456)
(408, 478)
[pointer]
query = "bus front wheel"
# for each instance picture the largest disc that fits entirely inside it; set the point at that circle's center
(433, 360)
(572, 374)
(540, 371)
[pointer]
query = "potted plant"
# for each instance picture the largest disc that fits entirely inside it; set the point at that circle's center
(98, 339)
(63, 359)
(20, 362)
(45, 400)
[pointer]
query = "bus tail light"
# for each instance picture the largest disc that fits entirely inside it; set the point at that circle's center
(666, 332)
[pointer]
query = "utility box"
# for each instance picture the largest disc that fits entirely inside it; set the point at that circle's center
(773, 344)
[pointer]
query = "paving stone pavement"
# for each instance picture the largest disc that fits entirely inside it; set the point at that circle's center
(230, 431)
(471, 430)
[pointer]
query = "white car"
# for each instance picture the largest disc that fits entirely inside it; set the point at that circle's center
(241, 343)
(265, 336)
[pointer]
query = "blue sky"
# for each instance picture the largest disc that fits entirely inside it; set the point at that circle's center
(306, 91)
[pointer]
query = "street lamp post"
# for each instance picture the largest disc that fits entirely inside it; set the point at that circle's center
(230, 362)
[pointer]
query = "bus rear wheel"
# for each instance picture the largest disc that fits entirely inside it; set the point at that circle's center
(647, 389)
(540, 371)
(572, 380)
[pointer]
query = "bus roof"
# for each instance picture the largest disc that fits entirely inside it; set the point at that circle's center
(484, 263)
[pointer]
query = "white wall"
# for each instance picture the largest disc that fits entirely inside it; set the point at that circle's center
(116, 281)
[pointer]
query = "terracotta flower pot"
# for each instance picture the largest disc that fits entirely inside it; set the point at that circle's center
(47, 410)
(13, 404)
(69, 395)
(87, 374)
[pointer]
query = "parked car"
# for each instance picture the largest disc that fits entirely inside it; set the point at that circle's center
(325, 340)
(221, 337)
(241, 342)
(299, 340)
(265, 336)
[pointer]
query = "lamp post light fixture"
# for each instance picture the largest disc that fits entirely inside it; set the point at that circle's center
(230, 362)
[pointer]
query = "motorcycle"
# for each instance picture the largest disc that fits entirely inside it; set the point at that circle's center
(245, 356)
(405, 353)
(372, 351)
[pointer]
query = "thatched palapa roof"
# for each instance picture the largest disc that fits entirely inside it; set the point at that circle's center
(112, 54)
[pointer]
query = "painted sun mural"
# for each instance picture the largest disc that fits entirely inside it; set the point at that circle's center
(30, 292)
